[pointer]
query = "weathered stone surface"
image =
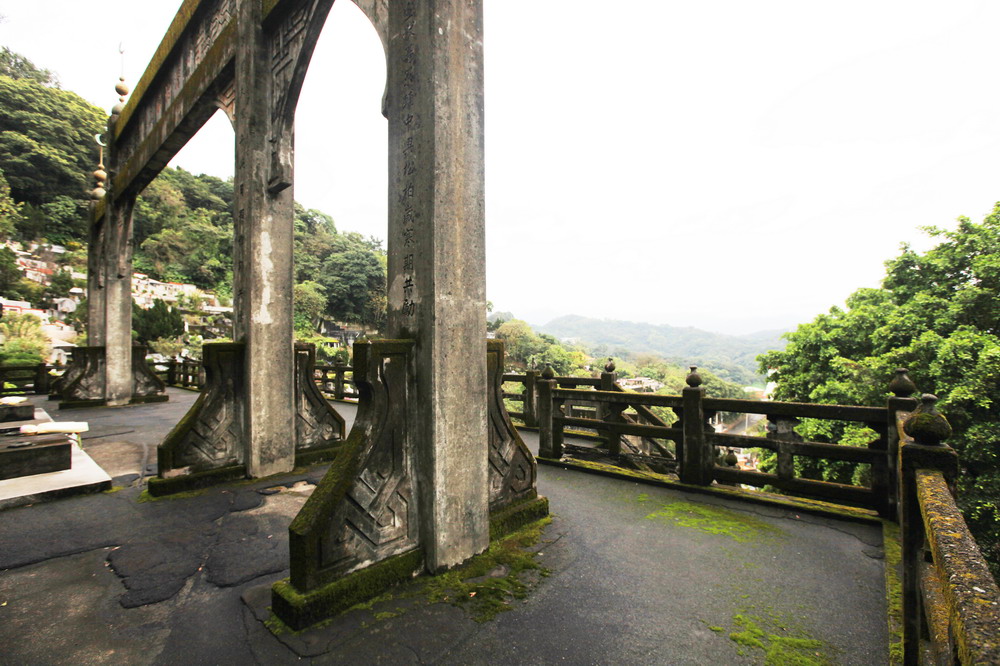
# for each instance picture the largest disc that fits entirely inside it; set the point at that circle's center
(317, 423)
(365, 509)
(84, 376)
(270, 66)
(24, 456)
(211, 434)
(437, 287)
(118, 299)
(512, 468)
(144, 382)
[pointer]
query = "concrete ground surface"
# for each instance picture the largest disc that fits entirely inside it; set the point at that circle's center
(637, 575)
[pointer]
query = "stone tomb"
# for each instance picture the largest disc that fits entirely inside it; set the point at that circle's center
(28, 455)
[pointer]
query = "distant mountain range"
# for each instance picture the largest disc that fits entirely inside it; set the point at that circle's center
(731, 357)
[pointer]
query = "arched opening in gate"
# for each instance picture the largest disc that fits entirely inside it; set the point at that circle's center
(341, 202)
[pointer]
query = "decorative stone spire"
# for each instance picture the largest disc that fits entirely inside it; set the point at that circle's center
(901, 385)
(120, 87)
(610, 365)
(693, 379)
(926, 425)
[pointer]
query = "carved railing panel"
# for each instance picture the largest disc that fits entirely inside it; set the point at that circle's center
(210, 435)
(512, 468)
(317, 423)
(84, 377)
(365, 508)
(145, 383)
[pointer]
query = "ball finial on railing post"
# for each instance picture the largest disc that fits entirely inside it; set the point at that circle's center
(693, 379)
(610, 365)
(901, 385)
(926, 425)
(548, 372)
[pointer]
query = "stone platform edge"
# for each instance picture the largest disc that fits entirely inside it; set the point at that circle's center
(298, 610)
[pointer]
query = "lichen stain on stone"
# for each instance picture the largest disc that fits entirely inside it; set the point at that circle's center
(263, 315)
(715, 520)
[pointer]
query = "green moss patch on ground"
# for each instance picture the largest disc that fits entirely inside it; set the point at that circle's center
(490, 582)
(769, 637)
(710, 519)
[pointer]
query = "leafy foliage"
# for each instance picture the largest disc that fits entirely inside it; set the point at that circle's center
(10, 211)
(46, 140)
(157, 322)
(24, 342)
(16, 66)
(938, 314)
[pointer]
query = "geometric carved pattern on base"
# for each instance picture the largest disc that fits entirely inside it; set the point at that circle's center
(317, 423)
(365, 508)
(144, 382)
(211, 434)
(512, 468)
(84, 376)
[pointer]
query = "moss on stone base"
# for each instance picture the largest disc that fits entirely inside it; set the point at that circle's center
(299, 610)
(511, 518)
(158, 487)
(486, 584)
(305, 457)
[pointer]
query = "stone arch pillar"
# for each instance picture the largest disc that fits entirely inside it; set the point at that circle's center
(119, 246)
(271, 61)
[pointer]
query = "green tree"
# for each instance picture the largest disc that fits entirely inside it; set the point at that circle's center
(10, 272)
(938, 314)
(157, 322)
(309, 304)
(24, 342)
(16, 66)
(46, 140)
(10, 211)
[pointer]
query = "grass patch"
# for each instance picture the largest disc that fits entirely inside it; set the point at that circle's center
(736, 525)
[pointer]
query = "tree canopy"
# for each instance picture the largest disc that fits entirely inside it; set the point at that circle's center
(937, 313)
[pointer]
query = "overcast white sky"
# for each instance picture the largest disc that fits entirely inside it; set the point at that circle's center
(723, 164)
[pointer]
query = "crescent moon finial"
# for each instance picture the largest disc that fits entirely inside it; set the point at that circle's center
(97, 138)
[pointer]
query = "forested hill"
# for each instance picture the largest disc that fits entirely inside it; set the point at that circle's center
(183, 223)
(731, 357)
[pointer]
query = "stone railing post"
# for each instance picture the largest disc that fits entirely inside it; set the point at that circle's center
(530, 409)
(171, 372)
(920, 435)
(338, 381)
(606, 411)
(41, 379)
(546, 432)
(782, 430)
(901, 387)
(697, 458)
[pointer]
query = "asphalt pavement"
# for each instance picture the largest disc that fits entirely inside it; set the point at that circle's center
(635, 575)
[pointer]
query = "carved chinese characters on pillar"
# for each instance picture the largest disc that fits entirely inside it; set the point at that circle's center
(408, 180)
